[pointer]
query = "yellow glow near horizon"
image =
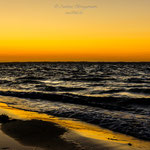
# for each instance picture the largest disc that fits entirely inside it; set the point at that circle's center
(35, 30)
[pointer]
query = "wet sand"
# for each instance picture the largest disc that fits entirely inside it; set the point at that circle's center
(48, 132)
(48, 136)
(42, 135)
(8, 143)
(37, 133)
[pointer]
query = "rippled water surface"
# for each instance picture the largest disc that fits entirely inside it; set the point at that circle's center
(113, 95)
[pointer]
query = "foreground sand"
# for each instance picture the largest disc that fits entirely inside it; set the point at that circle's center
(48, 132)
(46, 135)
(40, 135)
(37, 133)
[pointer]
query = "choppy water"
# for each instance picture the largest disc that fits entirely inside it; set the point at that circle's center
(113, 95)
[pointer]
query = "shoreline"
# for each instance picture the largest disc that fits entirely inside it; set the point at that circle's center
(83, 135)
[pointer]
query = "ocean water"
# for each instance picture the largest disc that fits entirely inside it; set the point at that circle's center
(115, 96)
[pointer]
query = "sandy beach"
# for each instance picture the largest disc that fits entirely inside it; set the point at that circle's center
(31, 130)
(37, 133)
(75, 75)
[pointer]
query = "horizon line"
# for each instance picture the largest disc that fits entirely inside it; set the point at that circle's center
(74, 62)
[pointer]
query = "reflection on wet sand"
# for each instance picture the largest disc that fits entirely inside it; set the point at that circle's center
(92, 137)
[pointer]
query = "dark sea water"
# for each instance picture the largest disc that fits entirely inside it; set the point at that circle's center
(115, 96)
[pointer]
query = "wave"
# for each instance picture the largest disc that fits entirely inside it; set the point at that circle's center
(59, 88)
(138, 80)
(88, 79)
(114, 87)
(135, 90)
(4, 81)
(112, 103)
(127, 125)
(30, 78)
(107, 92)
(140, 90)
(115, 117)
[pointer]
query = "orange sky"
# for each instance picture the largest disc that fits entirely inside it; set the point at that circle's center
(113, 30)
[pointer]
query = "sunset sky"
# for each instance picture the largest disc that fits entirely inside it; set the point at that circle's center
(49, 30)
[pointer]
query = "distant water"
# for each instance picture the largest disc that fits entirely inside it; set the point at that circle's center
(113, 95)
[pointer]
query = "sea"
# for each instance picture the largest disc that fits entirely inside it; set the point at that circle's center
(115, 96)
